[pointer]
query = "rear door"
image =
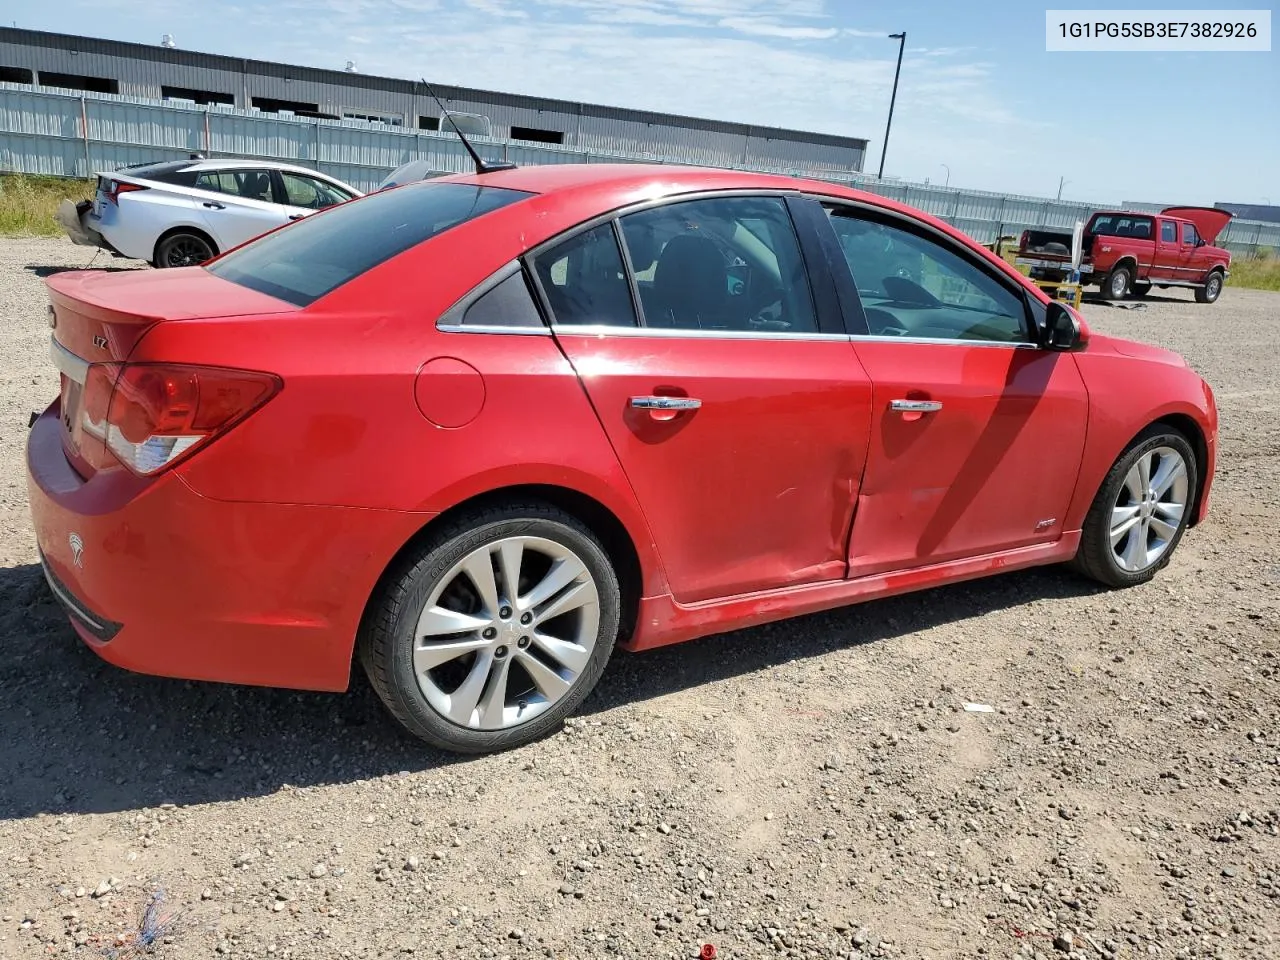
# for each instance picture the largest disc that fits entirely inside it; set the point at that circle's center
(1168, 251)
(977, 434)
(715, 357)
(239, 204)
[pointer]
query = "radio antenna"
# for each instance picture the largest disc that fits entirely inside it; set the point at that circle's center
(482, 165)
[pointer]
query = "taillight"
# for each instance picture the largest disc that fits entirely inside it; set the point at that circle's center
(113, 188)
(1022, 241)
(150, 415)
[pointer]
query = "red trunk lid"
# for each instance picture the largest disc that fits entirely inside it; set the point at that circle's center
(1209, 221)
(98, 317)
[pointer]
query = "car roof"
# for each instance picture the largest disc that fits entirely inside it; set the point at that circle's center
(607, 186)
(555, 178)
(220, 163)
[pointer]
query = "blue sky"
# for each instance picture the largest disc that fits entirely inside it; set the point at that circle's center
(978, 91)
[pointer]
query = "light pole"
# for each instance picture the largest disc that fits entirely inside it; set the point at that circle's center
(1061, 182)
(948, 180)
(902, 43)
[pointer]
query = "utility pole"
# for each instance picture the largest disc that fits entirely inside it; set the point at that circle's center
(902, 43)
(948, 169)
(1061, 181)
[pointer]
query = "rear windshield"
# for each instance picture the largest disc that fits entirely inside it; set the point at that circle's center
(1120, 225)
(315, 256)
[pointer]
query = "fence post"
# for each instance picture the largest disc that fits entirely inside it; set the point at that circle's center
(207, 139)
(84, 126)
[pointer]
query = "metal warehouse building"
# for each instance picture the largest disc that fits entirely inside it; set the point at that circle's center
(69, 63)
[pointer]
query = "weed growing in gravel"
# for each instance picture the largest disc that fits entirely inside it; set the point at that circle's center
(1256, 273)
(27, 204)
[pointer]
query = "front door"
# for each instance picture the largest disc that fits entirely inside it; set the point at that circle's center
(732, 396)
(977, 435)
(1193, 262)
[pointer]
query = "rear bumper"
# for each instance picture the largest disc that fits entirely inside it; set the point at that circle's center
(77, 221)
(158, 579)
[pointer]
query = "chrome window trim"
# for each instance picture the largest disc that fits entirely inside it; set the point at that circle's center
(945, 341)
(492, 328)
(669, 333)
(451, 320)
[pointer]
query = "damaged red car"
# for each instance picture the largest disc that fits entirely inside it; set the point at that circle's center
(480, 431)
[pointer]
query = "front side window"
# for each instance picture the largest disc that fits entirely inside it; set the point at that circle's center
(584, 280)
(1189, 235)
(913, 286)
(722, 263)
(303, 191)
(318, 254)
(1168, 231)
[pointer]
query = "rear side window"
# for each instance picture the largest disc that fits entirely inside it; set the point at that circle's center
(1168, 231)
(509, 304)
(585, 282)
(313, 257)
(1120, 225)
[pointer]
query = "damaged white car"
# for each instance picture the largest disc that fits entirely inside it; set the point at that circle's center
(183, 212)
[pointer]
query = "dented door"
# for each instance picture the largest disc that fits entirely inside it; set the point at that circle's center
(744, 454)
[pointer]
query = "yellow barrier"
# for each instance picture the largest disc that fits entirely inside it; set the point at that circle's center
(1055, 289)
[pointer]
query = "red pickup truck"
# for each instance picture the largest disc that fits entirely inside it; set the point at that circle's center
(1127, 253)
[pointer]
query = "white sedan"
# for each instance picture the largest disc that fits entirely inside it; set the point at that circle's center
(183, 212)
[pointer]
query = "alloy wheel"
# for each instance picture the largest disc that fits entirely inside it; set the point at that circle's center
(187, 251)
(506, 632)
(1149, 509)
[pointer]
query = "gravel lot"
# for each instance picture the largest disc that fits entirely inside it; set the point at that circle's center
(808, 789)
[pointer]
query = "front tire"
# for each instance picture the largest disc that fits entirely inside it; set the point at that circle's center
(1141, 511)
(494, 630)
(1212, 288)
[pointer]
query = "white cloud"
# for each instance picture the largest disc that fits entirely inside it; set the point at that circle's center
(766, 27)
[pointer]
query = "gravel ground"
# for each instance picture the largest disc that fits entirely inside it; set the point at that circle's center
(807, 789)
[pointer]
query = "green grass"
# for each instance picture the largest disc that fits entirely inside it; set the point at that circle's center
(27, 204)
(1257, 273)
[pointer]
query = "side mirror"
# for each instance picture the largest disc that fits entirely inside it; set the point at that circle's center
(1061, 327)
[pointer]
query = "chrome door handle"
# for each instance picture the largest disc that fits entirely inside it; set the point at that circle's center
(665, 403)
(916, 406)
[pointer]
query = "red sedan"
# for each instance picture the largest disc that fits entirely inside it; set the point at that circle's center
(484, 429)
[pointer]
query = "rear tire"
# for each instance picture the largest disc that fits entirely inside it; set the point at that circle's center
(472, 665)
(1134, 526)
(1116, 285)
(1212, 288)
(184, 248)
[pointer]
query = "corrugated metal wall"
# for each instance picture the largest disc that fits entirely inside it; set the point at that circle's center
(141, 70)
(74, 136)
